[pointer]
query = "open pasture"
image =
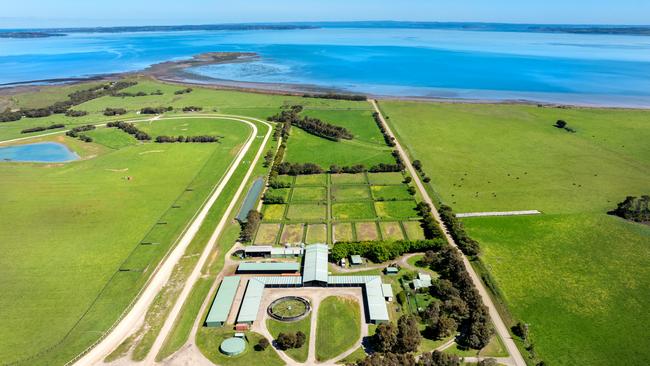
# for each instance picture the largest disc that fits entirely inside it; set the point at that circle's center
(576, 275)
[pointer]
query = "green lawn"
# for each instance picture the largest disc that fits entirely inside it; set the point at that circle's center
(208, 341)
(338, 327)
(309, 194)
(69, 228)
(577, 276)
(350, 193)
(348, 179)
(306, 212)
(276, 327)
(390, 193)
(353, 210)
(396, 209)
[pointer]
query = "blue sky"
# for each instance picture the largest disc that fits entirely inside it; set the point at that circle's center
(46, 13)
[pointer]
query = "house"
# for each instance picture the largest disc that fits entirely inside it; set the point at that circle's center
(423, 281)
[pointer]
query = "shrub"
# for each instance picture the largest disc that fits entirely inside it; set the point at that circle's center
(73, 113)
(183, 91)
(192, 109)
(114, 111)
(262, 344)
(155, 110)
(635, 209)
(9, 116)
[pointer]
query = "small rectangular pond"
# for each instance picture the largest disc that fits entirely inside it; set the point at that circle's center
(40, 152)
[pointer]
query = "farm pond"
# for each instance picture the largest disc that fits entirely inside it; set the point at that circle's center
(41, 152)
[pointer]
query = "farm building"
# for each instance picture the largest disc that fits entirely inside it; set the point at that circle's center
(391, 270)
(269, 251)
(423, 281)
(314, 272)
(387, 289)
(222, 302)
(268, 267)
(356, 260)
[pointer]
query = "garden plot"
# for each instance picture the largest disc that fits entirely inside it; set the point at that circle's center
(349, 179)
(385, 178)
(353, 211)
(292, 234)
(267, 234)
(273, 212)
(306, 212)
(350, 193)
(390, 193)
(391, 231)
(396, 209)
(311, 180)
(316, 233)
(343, 232)
(309, 194)
(366, 231)
(413, 230)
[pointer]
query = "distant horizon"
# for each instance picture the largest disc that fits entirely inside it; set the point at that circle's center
(307, 22)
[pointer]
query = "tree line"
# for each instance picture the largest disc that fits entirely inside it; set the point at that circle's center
(43, 128)
(76, 133)
(130, 129)
(310, 125)
(156, 110)
(138, 94)
(352, 97)
(634, 209)
(390, 140)
(382, 251)
(187, 139)
(457, 231)
(114, 111)
(248, 228)
(75, 113)
(428, 223)
(183, 91)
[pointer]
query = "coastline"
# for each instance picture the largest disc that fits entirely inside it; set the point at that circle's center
(176, 72)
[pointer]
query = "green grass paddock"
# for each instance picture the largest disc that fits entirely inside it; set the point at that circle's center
(338, 327)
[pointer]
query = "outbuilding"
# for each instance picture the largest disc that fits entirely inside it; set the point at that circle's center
(355, 260)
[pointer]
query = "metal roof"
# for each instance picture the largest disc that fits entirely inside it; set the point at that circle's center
(315, 263)
(355, 259)
(251, 199)
(287, 251)
(223, 301)
(281, 280)
(374, 294)
(425, 279)
(258, 249)
(233, 346)
(251, 302)
(268, 267)
(387, 289)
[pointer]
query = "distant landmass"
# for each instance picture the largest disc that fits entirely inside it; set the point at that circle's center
(641, 30)
(29, 34)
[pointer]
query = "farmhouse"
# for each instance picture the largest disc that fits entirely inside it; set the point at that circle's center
(423, 281)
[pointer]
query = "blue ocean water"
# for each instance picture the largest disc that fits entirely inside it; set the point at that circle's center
(42, 152)
(550, 67)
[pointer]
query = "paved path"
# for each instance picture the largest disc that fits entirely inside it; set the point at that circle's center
(499, 325)
(502, 213)
(130, 322)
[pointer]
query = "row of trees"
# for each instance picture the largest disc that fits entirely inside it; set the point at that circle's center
(77, 133)
(311, 125)
(634, 209)
(130, 129)
(249, 227)
(382, 251)
(353, 97)
(138, 94)
(428, 222)
(417, 164)
(390, 140)
(286, 168)
(183, 91)
(156, 110)
(10, 116)
(457, 231)
(192, 108)
(462, 307)
(75, 113)
(43, 128)
(188, 139)
(114, 111)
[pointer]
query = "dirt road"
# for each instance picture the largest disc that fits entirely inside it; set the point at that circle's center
(499, 325)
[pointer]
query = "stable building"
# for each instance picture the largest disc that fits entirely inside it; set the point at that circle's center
(268, 267)
(222, 302)
(268, 251)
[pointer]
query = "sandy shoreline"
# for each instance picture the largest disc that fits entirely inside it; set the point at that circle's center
(176, 72)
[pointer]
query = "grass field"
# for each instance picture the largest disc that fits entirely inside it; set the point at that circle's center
(348, 179)
(292, 234)
(385, 178)
(208, 341)
(386, 193)
(413, 230)
(267, 234)
(576, 275)
(353, 211)
(273, 212)
(276, 327)
(396, 209)
(311, 180)
(350, 193)
(343, 232)
(306, 211)
(366, 231)
(69, 227)
(391, 231)
(316, 233)
(337, 329)
(309, 194)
